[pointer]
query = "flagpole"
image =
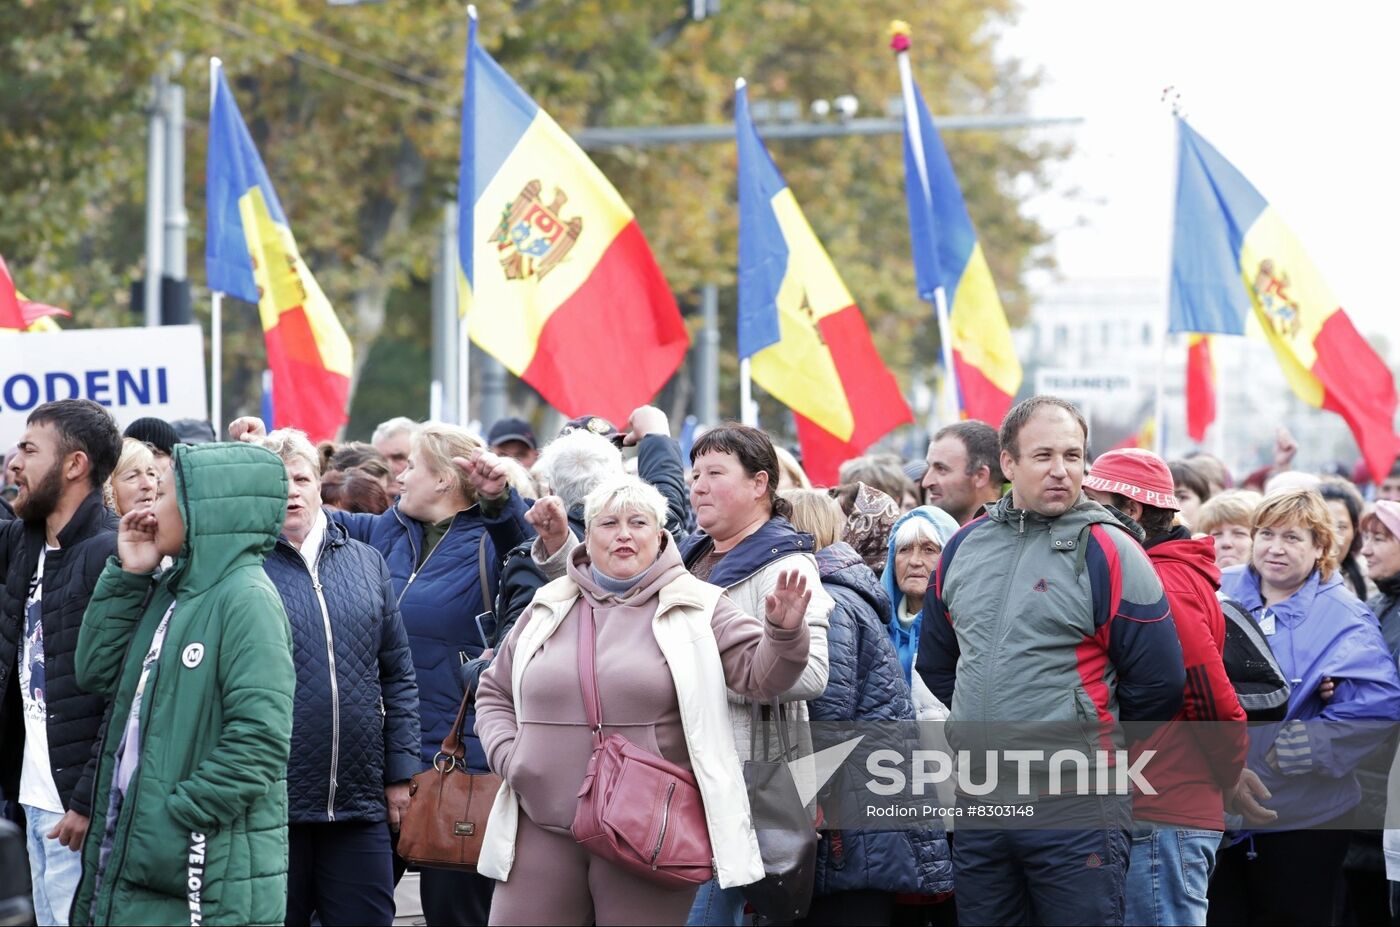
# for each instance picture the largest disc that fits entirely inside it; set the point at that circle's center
(1159, 442)
(455, 293)
(216, 305)
(1159, 438)
(1218, 383)
(748, 409)
(951, 405)
(950, 401)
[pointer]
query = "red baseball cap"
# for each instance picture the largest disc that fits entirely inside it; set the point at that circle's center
(1140, 475)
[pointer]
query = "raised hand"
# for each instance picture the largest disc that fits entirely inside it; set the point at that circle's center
(486, 472)
(136, 541)
(1285, 448)
(247, 428)
(786, 605)
(645, 420)
(551, 520)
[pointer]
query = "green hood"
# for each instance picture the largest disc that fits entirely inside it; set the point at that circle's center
(233, 499)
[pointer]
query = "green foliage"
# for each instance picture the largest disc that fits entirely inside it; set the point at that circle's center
(355, 112)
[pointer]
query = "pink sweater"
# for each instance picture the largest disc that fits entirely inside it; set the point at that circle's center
(542, 753)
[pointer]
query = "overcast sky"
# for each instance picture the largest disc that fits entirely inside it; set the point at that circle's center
(1299, 96)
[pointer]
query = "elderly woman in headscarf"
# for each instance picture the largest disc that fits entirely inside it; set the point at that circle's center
(916, 542)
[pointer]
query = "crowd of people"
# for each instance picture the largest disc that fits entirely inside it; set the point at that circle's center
(222, 662)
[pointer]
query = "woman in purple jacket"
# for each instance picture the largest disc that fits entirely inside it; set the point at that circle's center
(1320, 632)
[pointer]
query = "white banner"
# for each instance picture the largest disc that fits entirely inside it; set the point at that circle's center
(134, 372)
(1076, 383)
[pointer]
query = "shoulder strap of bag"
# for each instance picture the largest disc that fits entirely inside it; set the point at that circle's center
(452, 743)
(488, 597)
(759, 716)
(588, 670)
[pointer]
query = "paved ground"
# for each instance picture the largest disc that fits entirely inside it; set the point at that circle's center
(408, 910)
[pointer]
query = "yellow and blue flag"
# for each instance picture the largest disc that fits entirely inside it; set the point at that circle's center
(557, 277)
(808, 342)
(947, 254)
(1232, 257)
(250, 253)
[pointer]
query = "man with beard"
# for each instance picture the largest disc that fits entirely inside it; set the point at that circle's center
(50, 558)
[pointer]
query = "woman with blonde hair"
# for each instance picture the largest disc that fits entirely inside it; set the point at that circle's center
(790, 472)
(1320, 633)
(1228, 518)
(133, 483)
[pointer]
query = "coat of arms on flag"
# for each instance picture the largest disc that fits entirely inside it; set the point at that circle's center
(533, 238)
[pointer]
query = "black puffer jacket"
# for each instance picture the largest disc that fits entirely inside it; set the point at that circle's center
(866, 684)
(70, 573)
(344, 749)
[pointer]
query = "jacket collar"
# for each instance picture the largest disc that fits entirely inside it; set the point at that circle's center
(560, 595)
(1389, 587)
(1292, 610)
(841, 565)
(775, 539)
(89, 518)
(1064, 530)
(333, 535)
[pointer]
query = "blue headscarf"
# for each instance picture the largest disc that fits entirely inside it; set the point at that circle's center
(906, 642)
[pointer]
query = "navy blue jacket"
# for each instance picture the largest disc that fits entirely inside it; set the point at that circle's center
(867, 684)
(442, 600)
(777, 538)
(349, 656)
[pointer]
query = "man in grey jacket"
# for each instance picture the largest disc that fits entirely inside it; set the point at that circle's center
(1044, 610)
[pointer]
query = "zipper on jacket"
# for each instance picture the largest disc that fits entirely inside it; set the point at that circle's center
(418, 569)
(143, 717)
(665, 821)
(998, 637)
(335, 687)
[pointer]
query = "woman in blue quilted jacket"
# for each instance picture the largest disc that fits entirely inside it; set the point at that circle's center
(440, 540)
(350, 761)
(861, 872)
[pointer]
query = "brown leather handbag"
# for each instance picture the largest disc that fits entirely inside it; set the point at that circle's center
(448, 806)
(637, 810)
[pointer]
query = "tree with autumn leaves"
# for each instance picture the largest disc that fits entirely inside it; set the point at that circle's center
(355, 111)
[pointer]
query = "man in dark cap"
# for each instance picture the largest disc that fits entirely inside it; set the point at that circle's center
(602, 427)
(513, 437)
(156, 432)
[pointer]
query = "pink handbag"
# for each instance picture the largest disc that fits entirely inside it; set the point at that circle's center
(636, 809)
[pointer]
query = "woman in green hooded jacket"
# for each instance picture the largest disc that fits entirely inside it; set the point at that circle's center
(189, 812)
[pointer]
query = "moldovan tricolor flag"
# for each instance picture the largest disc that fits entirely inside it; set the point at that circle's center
(250, 253)
(1200, 387)
(808, 342)
(948, 255)
(558, 284)
(1231, 256)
